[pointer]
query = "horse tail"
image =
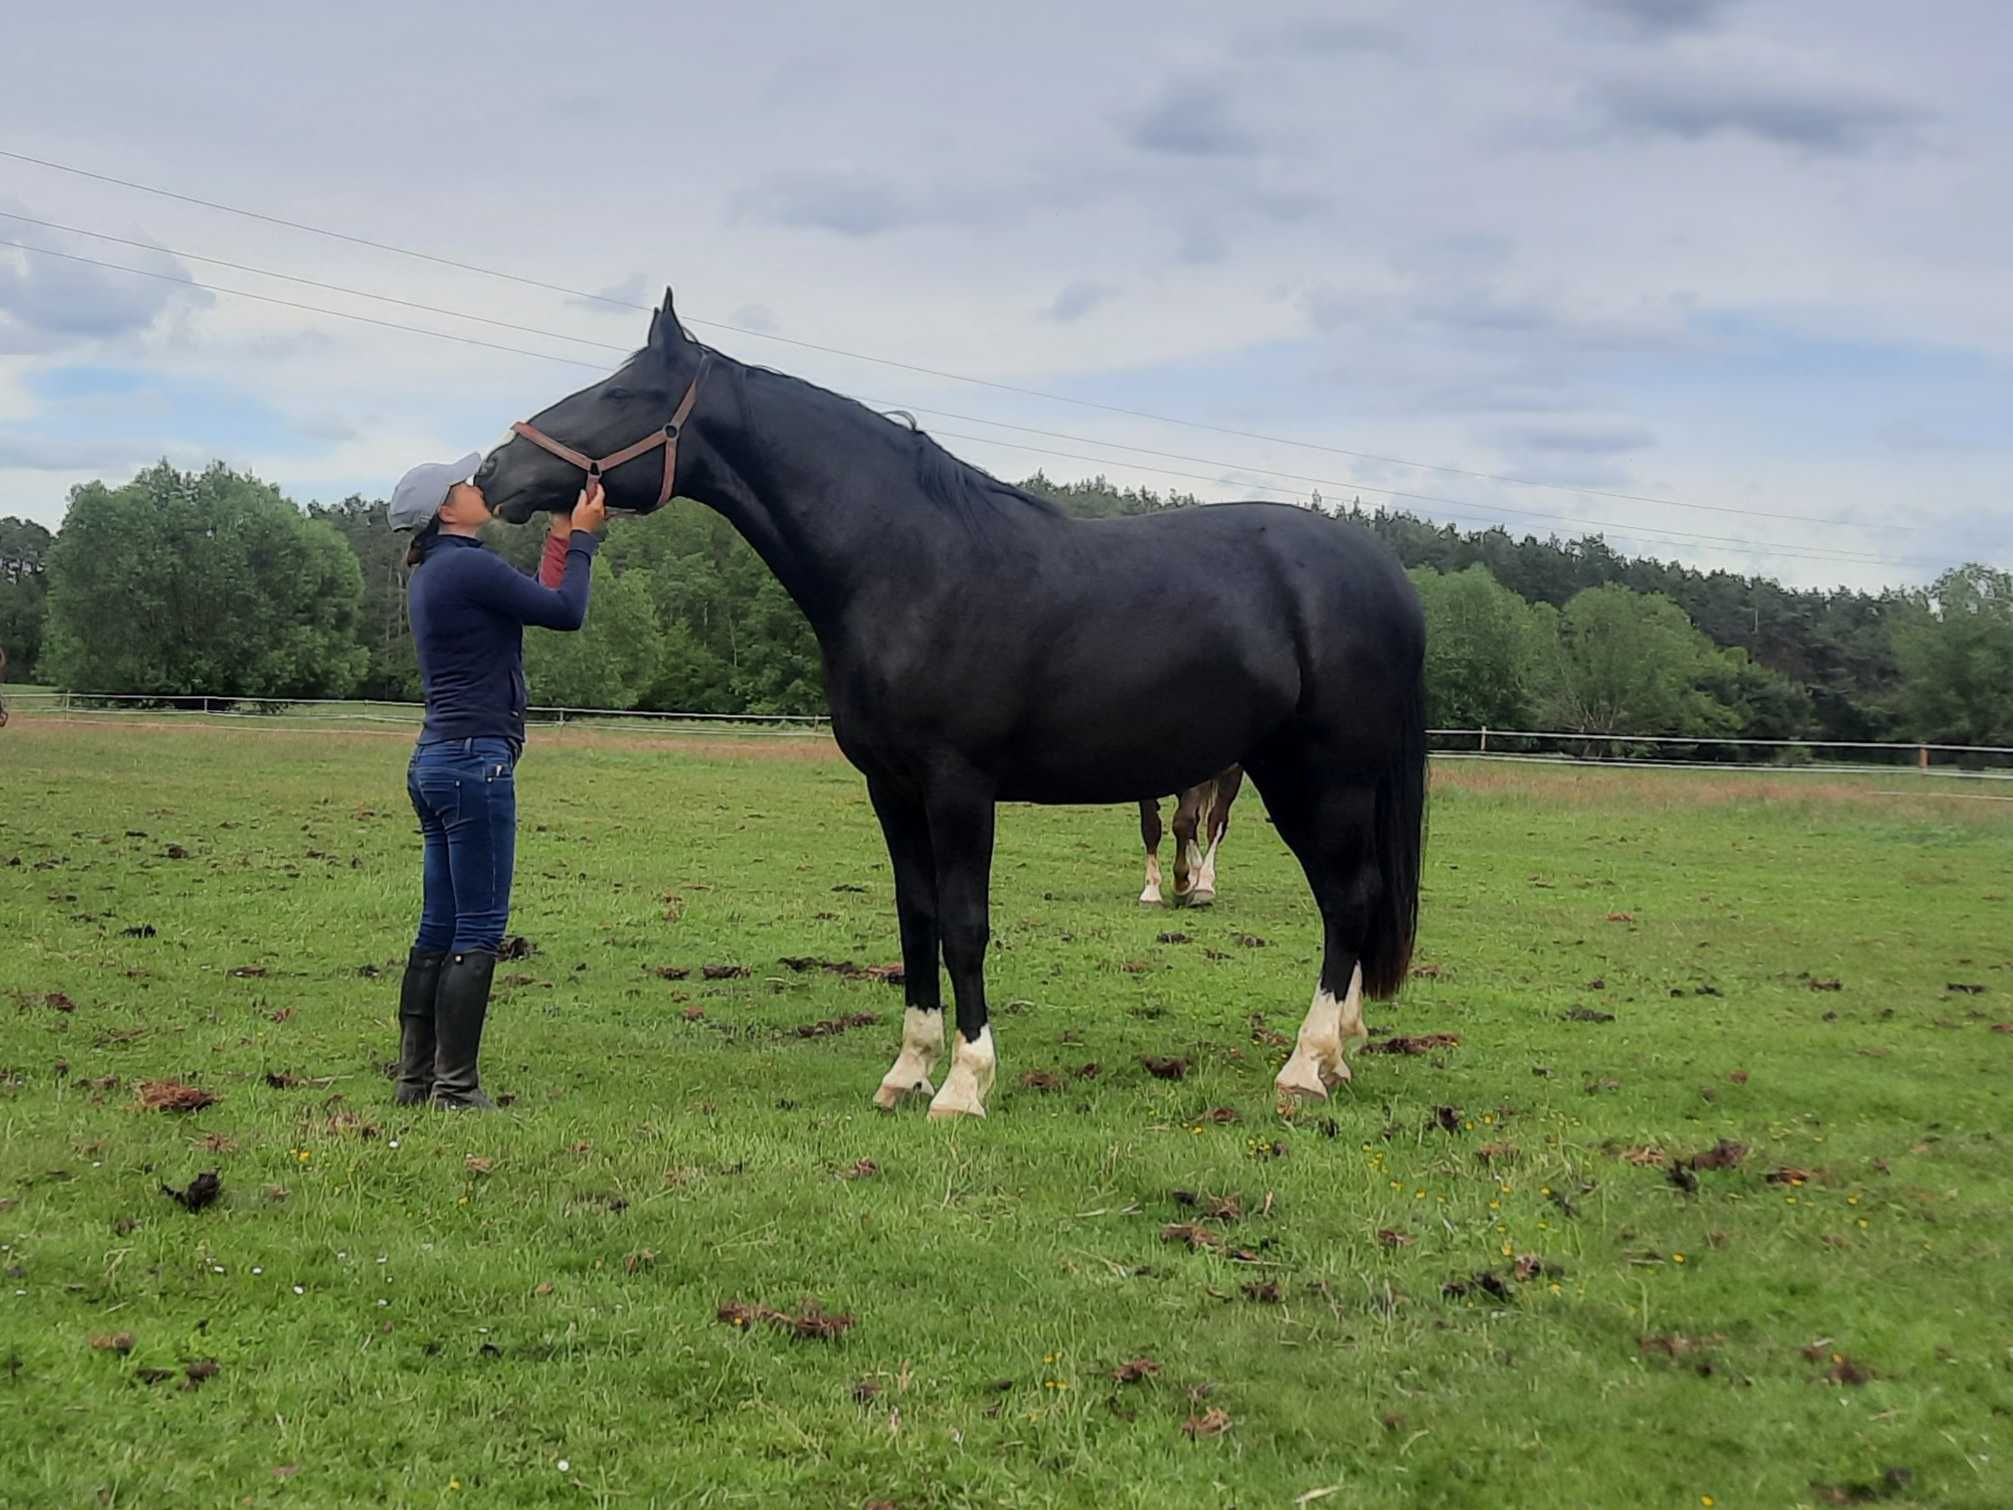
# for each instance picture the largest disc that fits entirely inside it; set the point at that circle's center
(1399, 838)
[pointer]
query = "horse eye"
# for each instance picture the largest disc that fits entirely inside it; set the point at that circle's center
(617, 393)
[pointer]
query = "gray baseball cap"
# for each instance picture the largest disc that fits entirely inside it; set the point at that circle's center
(421, 492)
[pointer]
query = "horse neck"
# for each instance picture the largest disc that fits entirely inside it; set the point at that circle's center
(809, 484)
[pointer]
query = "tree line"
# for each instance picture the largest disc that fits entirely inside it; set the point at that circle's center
(213, 583)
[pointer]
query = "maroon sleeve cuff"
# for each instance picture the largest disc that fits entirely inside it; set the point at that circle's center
(552, 565)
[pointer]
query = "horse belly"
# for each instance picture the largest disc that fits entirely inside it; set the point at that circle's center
(1114, 748)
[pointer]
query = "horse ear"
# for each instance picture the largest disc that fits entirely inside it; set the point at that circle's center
(665, 332)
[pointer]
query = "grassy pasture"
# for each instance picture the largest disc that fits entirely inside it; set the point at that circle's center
(1482, 1275)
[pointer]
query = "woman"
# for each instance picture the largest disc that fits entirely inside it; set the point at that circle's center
(469, 608)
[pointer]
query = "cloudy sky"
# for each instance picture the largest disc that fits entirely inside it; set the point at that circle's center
(1748, 262)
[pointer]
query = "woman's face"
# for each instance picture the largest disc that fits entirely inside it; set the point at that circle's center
(465, 508)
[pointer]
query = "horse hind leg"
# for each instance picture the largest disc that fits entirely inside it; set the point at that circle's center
(1224, 793)
(1149, 833)
(1330, 830)
(1332, 1025)
(1189, 813)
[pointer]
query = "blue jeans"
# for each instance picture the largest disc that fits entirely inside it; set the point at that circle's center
(465, 792)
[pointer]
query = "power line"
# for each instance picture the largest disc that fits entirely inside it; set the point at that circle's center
(957, 377)
(313, 309)
(1620, 532)
(1447, 504)
(1460, 508)
(266, 272)
(1742, 546)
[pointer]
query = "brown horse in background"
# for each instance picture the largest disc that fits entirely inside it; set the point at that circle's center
(1201, 816)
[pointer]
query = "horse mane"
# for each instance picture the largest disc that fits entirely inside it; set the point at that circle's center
(947, 481)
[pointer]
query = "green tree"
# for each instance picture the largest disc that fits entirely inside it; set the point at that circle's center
(1487, 651)
(211, 583)
(610, 662)
(24, 594)
(735, 642)
(1631, 663)
(1956, 657)
(690, 677)
(1098, 498)
(383, 628)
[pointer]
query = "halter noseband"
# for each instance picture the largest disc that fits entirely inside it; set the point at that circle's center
(666, 437)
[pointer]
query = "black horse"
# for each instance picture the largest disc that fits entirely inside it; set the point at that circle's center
(982, 647)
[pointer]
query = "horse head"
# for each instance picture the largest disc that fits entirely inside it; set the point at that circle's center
(606, 420)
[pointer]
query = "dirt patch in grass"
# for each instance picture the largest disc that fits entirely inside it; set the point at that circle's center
(831, 1027)
(845, 969)
(172, 1096)
(1412, 1043)
(812, 1324)
(202, 1191)
(1213, 1422)
(1724, 1154)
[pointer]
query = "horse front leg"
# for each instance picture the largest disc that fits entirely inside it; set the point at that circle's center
(961, 836)
(907, 830)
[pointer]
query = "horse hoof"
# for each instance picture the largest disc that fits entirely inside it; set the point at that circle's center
(1149, 899)
(1302, 1083)
(945, 1111)
(893, 1093)
(1202, 899)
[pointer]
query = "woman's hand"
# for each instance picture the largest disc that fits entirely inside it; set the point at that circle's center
(590, 513)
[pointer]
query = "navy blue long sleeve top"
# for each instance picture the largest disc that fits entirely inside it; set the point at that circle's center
(469, 607)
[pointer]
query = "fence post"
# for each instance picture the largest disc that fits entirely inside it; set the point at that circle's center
(1485, 740)
(1922, 757)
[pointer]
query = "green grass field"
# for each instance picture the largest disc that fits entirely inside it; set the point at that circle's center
(1474, 1278)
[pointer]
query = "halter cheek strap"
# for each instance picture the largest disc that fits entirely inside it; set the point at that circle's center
(597, 468)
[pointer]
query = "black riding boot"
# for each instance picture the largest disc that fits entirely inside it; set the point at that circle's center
(459, 1010)
(415, 1027)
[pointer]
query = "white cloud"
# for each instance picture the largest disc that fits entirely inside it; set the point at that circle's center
(1497, 238)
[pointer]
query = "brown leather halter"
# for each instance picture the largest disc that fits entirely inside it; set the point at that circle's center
(667, 438)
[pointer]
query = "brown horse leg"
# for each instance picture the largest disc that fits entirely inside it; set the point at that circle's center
(1226, 787)
(1149, 833)
(1188, 817)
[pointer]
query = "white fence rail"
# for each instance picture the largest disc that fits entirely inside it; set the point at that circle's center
(282, 712)
(1534, 746)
